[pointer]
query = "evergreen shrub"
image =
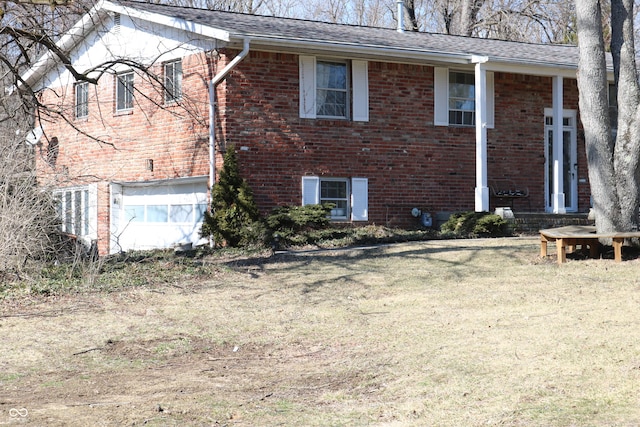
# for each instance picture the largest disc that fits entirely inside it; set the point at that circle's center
(234, 220)
(475, 224)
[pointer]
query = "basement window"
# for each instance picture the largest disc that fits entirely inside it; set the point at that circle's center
(349, 196)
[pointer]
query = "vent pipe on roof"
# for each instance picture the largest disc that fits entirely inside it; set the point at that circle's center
(400, 5)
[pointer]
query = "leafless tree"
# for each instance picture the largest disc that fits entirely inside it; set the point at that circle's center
(613, 157)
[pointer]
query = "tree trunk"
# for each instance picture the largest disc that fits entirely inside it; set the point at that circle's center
(594, 112)
(627, 148)
(613, 164)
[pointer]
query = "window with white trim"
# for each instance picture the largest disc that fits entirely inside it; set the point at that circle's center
(189, 213)
(82, 99)
(76, 208)
(124, 91)
(349, 196)
(334, 89)
(455, 98)
(462, 99)
(335, 191)
(332, 96)
(172, 81)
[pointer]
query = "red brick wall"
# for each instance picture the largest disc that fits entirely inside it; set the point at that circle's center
(408, 161)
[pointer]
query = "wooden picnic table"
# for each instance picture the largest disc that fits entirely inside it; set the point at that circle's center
(567, 238)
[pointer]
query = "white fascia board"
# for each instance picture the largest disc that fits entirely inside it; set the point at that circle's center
(336, 48)
(180, 24)
(533, 69)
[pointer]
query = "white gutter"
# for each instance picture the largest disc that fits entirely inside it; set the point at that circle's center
(212, 108)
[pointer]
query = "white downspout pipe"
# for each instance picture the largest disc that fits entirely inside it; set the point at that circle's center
(212, 108)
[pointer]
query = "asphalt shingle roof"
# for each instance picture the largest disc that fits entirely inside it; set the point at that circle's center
(287, 29)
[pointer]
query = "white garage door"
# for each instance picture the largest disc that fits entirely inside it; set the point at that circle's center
(157, 215)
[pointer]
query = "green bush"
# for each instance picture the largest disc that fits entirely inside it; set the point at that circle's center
(292, 224)
(234, 219)
(475, 224)
(491, 225)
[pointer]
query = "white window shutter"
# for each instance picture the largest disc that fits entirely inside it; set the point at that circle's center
(307, 87)
(310, 190)
(441, 96)
(360, 79)
(359, 199)
(491, 114)
(93, 211)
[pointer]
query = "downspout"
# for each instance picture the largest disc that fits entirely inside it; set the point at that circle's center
(212, 108)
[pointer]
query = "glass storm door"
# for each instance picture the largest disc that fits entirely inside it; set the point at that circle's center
(569, 163)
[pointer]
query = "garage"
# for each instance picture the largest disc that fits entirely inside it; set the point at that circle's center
(157, 214)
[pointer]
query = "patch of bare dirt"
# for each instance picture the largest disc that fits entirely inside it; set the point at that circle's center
(173, 379)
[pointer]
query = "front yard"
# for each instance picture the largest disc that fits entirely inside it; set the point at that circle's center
(440, 333)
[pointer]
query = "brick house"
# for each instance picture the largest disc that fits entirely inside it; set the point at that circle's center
(377, 121)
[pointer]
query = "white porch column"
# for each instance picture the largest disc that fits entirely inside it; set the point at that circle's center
(557, 198)
(482, 189)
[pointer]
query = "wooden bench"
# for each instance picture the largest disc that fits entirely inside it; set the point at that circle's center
(569, 237)
(507, 191)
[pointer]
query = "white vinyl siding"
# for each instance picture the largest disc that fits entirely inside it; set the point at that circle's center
(356, 90)
(441, 98)
(352, 204)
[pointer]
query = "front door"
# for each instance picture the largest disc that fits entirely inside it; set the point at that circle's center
(569, 161)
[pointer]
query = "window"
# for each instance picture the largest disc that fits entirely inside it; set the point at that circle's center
(75, 208)
(348, 195)
(172, 81)
(335, 191)
(82, 99)
(333, 89)
(462, 99)
(174, 213)
(124, 91)
(455, 98)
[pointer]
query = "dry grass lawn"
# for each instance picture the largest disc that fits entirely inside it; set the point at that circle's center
(440, 333)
